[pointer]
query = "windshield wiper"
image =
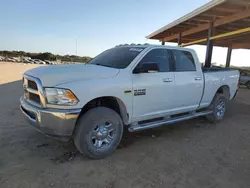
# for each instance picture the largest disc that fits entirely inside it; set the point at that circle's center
(103, 65)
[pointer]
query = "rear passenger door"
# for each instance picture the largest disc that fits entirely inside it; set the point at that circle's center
(188, 81)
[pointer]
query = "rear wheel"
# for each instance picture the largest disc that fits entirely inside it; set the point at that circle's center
(218, 107)
(98, 132)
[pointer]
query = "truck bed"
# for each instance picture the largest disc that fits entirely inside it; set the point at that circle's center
(214, 78)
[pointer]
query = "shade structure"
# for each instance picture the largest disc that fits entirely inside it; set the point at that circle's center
(228, 19)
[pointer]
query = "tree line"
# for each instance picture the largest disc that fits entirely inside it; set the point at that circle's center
(46, 56)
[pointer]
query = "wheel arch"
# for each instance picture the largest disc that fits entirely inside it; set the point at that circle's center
(111, 102)
(225, 90)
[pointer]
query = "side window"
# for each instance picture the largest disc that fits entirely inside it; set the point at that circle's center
(243, 74)
(184, 61)
(161, 57)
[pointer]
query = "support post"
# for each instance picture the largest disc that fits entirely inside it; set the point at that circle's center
(229, 54)
(179, 39)
(209, 51)
(162, 42)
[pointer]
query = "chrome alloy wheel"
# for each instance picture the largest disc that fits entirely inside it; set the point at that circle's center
(103, 135)
(220, 109)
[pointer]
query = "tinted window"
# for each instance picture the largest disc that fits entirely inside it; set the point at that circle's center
(184, 61)
(159, 56)
(119, 57)
(243, 73)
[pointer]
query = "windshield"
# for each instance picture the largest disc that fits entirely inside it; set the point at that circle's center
(119, 57)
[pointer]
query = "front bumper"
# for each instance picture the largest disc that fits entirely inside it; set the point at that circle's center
(57, 123)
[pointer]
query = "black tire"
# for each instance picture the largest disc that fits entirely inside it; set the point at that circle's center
(216, 116)
(248, 85)
(86, 126)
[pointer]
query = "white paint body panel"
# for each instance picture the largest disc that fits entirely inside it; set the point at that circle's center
(159, 96)
(188, 91)
(59, 74)
(214, 80)
(183, 94)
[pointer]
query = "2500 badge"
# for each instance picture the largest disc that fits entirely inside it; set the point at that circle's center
(139, 92)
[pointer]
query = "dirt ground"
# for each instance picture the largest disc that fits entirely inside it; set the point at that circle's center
(191, 154)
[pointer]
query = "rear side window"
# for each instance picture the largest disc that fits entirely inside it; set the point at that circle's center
(184, 61)
(159, 56)
(243, 73)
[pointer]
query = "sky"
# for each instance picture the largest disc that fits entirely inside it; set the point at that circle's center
(87, 28)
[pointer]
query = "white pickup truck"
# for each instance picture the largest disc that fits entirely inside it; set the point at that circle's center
(129, 86)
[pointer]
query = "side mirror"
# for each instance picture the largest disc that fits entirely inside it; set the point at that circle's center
(146, 67)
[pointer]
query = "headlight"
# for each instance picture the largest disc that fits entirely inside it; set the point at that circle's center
(60, 96)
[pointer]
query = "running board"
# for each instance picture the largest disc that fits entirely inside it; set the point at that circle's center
(139, 127)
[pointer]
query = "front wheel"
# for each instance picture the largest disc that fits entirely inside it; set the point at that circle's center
(98, 132)
(218, 107)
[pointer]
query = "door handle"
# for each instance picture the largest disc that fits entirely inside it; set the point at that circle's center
(198, 78)
(167, 80)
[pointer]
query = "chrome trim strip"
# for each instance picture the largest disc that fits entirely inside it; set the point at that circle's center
(36, 110)
(140, 127)
(40, 91)
(33, 103)
(32, 91)
(25, 82)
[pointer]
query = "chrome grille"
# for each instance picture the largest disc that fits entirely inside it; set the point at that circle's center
(33, 91)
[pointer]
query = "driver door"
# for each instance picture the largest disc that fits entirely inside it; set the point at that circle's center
(154, 90)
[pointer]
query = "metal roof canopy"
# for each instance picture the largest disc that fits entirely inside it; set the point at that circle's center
(230, 20)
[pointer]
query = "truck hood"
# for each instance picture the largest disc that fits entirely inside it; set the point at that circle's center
(51, 76)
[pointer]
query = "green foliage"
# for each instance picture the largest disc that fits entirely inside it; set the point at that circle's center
(46, 56)
(245, 69)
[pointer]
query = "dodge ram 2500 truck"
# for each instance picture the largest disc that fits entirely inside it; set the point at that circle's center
(129, 86)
